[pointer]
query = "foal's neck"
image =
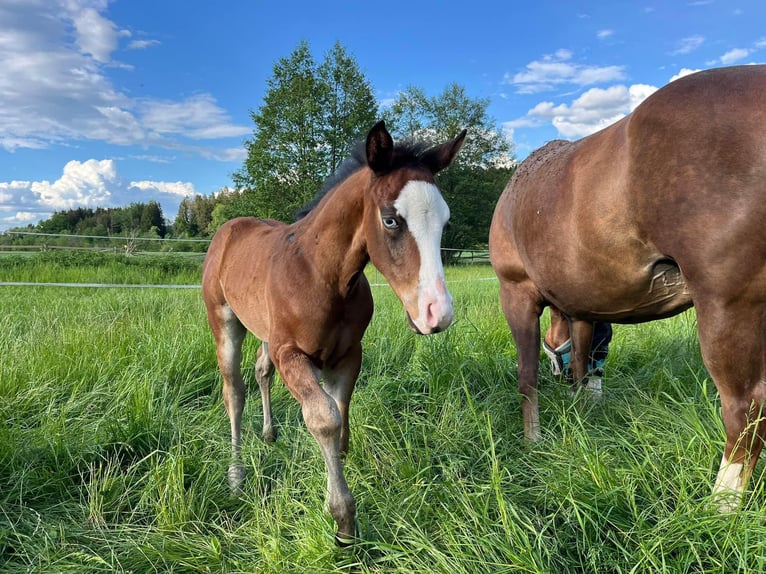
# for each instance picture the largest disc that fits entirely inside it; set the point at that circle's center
(333, 232)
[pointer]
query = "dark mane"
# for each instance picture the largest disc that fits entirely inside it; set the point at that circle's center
(406, 152)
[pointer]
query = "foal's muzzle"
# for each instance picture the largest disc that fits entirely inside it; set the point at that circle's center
(438, 328)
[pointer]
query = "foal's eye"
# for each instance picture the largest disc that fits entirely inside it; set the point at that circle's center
(390, 223)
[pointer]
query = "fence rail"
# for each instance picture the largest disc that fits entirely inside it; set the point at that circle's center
(128, 245)
(109, 237)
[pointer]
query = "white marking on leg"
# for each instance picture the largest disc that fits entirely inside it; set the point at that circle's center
(230, 356)
(728, 485)
(426, 213)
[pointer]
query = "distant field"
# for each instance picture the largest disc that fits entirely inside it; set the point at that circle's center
(82, 267)
(114, 444)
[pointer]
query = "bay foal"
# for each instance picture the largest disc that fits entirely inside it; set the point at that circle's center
(301, 290)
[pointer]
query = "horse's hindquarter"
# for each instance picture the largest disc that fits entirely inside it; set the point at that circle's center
(698, 178)
(237, 268)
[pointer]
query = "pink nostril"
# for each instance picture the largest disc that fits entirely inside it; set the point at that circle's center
(432, 320)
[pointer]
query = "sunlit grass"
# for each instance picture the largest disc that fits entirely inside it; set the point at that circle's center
(114, 448)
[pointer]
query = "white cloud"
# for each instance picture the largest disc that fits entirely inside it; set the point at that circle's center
(683, 72)
(55, 88)
(142, 44)
(84, 184)
(734, 55)
(594, 110)
(689, 44)
(179, 188)
(558, 69)
(198, 116)
(737, 54)
(92, 183)
(522, 122)
(24, 216)
(638, 93)
(95, 35)
(604, 34)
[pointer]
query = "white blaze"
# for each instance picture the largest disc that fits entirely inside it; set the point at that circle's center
(425, 211)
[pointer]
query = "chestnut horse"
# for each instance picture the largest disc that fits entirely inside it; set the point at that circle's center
(660, 211)
(301, 290)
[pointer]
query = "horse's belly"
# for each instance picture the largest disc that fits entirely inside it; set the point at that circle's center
(622, 297)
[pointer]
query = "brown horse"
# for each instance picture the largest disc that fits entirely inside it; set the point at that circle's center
(660, 211)
(301, 290)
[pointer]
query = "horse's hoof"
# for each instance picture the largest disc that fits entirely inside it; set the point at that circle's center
(344, 540)
(236, 477)
(269, 435)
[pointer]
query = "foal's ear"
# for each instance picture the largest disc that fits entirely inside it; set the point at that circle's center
(441, 156)
(380, 148)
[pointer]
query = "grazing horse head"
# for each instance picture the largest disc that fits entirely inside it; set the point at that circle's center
(404, 224)
(301, 290)
(660, 211)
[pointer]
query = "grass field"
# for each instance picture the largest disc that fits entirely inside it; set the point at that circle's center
(114, 445)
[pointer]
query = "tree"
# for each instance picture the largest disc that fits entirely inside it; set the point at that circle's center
(413, 114)
(309, 119)
(152, 218)
(481, 170)
(195, 214)
(347, 103)
(284, 160)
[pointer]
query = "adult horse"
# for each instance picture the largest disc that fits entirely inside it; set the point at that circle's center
(301, 290)
(660, 211)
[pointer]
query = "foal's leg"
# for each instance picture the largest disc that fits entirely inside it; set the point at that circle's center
(229, 334)
(339, 384)
(264, 374)
(734, 356)
(324, 421)
(522, 311)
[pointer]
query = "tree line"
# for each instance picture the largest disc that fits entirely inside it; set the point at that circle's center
(145, 219)
(311, 116)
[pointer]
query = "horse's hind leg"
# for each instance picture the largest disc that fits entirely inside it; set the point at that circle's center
(264, 373)
(229, 334)
(733, 351)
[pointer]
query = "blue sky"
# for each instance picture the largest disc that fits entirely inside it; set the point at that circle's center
(103, 103)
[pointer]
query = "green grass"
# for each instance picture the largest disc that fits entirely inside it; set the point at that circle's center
(114, 447)
(81, 267)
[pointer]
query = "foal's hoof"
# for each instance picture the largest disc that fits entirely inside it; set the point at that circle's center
(345, 540)
(269, 435)
(236, 477)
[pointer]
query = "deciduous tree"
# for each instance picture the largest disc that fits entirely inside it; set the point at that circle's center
(310, 117)
(484, 165)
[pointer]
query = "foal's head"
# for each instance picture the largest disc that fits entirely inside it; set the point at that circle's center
(404, 218)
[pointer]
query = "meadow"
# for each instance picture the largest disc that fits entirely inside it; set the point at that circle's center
(114, 444)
